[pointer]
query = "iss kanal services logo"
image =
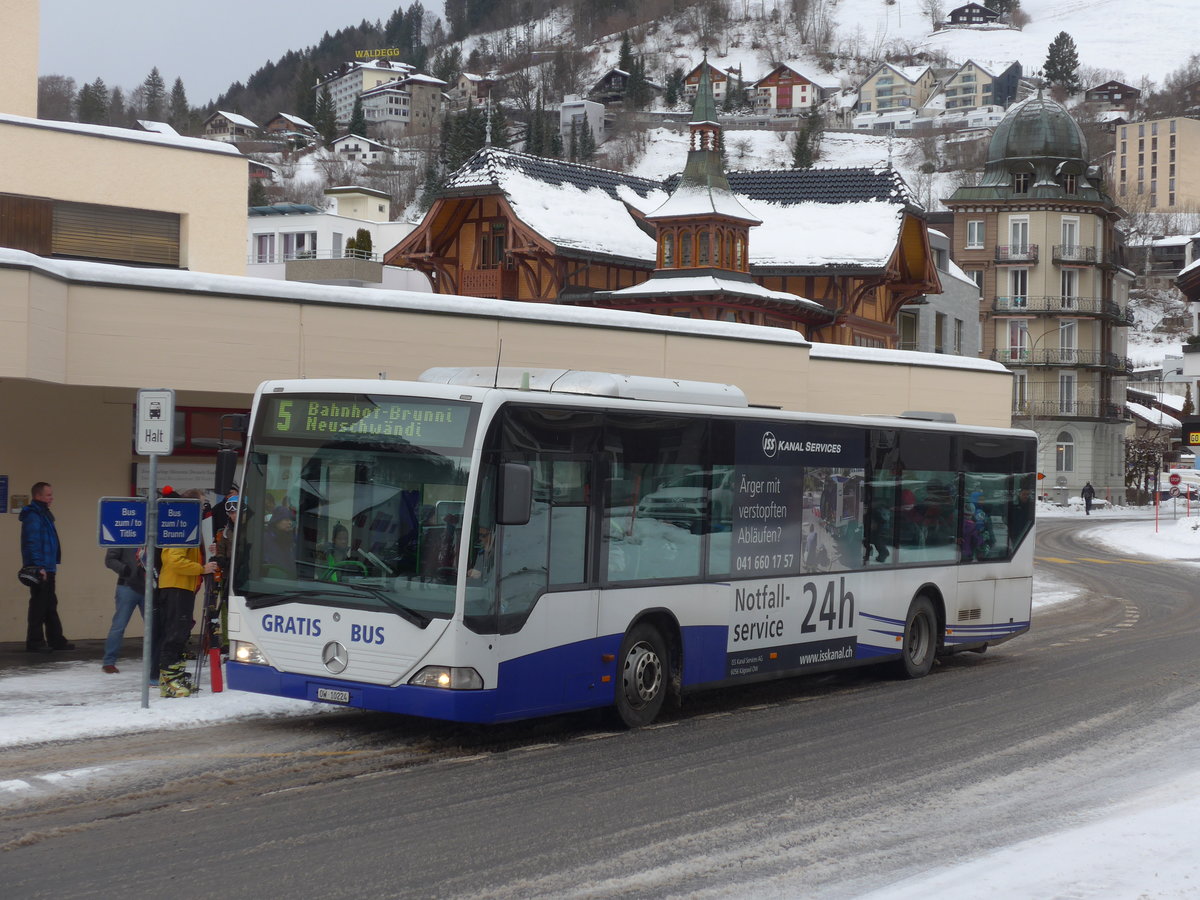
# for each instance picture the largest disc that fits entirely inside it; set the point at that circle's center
(769, 444)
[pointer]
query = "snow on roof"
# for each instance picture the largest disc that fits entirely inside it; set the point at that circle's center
(419, 78)
(123, 134)
(157, 127)
(1153, 416)
(359, 137)
(712, 284)
(690, 199)
(242, 287)
(902, 357)
(296, 120)
(1174, 240)
(236, 118)
(818, 235)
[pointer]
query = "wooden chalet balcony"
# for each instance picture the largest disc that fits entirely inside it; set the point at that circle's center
(1017, 253)
(1070, 409)
(1065, 306)
(499, 284)
(1065, 359)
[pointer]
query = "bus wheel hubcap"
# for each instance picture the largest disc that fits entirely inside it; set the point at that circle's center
(642, 677)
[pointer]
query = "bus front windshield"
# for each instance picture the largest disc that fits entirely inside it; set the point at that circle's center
(355, 501)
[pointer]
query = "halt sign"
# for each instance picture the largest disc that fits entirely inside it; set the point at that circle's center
(154, 430)
(1174, 479)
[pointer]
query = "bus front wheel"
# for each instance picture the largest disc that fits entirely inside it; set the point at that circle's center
(643, 676)
(920, 639)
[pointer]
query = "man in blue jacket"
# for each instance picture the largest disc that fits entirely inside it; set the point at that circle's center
(40, 547)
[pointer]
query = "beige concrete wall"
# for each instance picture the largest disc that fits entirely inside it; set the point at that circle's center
(77, 350)
(19, 24)
(116, 167)
(78, 439)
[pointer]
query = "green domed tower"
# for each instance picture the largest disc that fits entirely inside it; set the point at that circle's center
(1038, 235)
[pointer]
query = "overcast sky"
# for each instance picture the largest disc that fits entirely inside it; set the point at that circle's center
(207, 43)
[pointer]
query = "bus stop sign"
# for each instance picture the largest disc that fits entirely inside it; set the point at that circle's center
(178, 523)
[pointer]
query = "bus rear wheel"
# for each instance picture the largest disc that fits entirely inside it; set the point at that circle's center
(642, 677)
(920, 639)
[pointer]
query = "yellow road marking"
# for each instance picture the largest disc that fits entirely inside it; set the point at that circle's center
(1055, 559)
(1103, 562)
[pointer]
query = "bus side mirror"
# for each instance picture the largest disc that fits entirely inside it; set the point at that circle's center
(514, 491)
(226, 468)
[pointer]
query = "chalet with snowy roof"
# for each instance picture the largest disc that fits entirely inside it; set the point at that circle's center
(361, 149)
(287, 124)
(971, 14)
(785, 91)
(892, 87)
(611, 86)
(471, 89)
(229, 127)
(973, 85)
(719, 80)
(1112, 95)
(519, 227)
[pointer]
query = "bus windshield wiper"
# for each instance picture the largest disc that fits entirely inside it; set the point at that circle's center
(417, 618)
(260, 601)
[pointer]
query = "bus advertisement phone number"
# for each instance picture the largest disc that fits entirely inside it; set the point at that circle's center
(766, 562)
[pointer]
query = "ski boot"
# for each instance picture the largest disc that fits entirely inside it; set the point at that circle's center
(173, 681)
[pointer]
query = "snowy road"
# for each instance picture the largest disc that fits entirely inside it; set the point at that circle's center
(833, 786)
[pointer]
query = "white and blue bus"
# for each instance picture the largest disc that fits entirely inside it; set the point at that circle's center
(489, 545)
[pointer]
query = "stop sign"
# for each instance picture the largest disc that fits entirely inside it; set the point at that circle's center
(1174, 479)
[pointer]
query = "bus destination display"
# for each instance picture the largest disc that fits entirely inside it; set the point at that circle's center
(428, 423)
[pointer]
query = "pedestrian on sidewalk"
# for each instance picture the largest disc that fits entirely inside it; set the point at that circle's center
(1089, 494)
(131, 595)
(179, 578)
(40, 548)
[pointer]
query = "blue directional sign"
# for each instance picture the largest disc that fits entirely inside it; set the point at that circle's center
(178, 523)
(122, 521)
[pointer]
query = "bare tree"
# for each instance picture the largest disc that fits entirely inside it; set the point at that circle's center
(935, 11)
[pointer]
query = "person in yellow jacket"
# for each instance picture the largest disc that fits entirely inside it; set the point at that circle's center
(180, 577)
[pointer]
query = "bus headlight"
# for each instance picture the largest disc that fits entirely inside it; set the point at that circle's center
(245, 652)
(450, 677)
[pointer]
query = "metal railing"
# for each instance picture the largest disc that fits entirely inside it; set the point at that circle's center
(1017, 253)
(1064, 358)
(281, 257)
(1071, 306)
(1070, 409)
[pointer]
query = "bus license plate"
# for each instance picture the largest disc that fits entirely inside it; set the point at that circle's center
(333, 696)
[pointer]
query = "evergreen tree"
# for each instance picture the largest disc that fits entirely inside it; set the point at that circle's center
(573, 143)
(555, 149)
(1187, 409)
(92, 105)
(587, 141)
(181, 113)
(674, 86)
(117, 113)
(305, 102)
(257, 194)
(637, 94)
(1004, 7)
(1062, 63)
(806, 147)
(499, 123)
(535, 134)
(447, 64)
(324, 119)
(625, 55)
(154, 95)
(358, 118)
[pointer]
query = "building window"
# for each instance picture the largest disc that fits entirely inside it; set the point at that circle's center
(1022, 182)
(300, 245)
(264, 248)
(685, 249)
(976, 275)
(668, 250)
(1070, 183)
(975, 234)
(702, 247)
(1064, 453)
(939, 333)
(958, 336)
